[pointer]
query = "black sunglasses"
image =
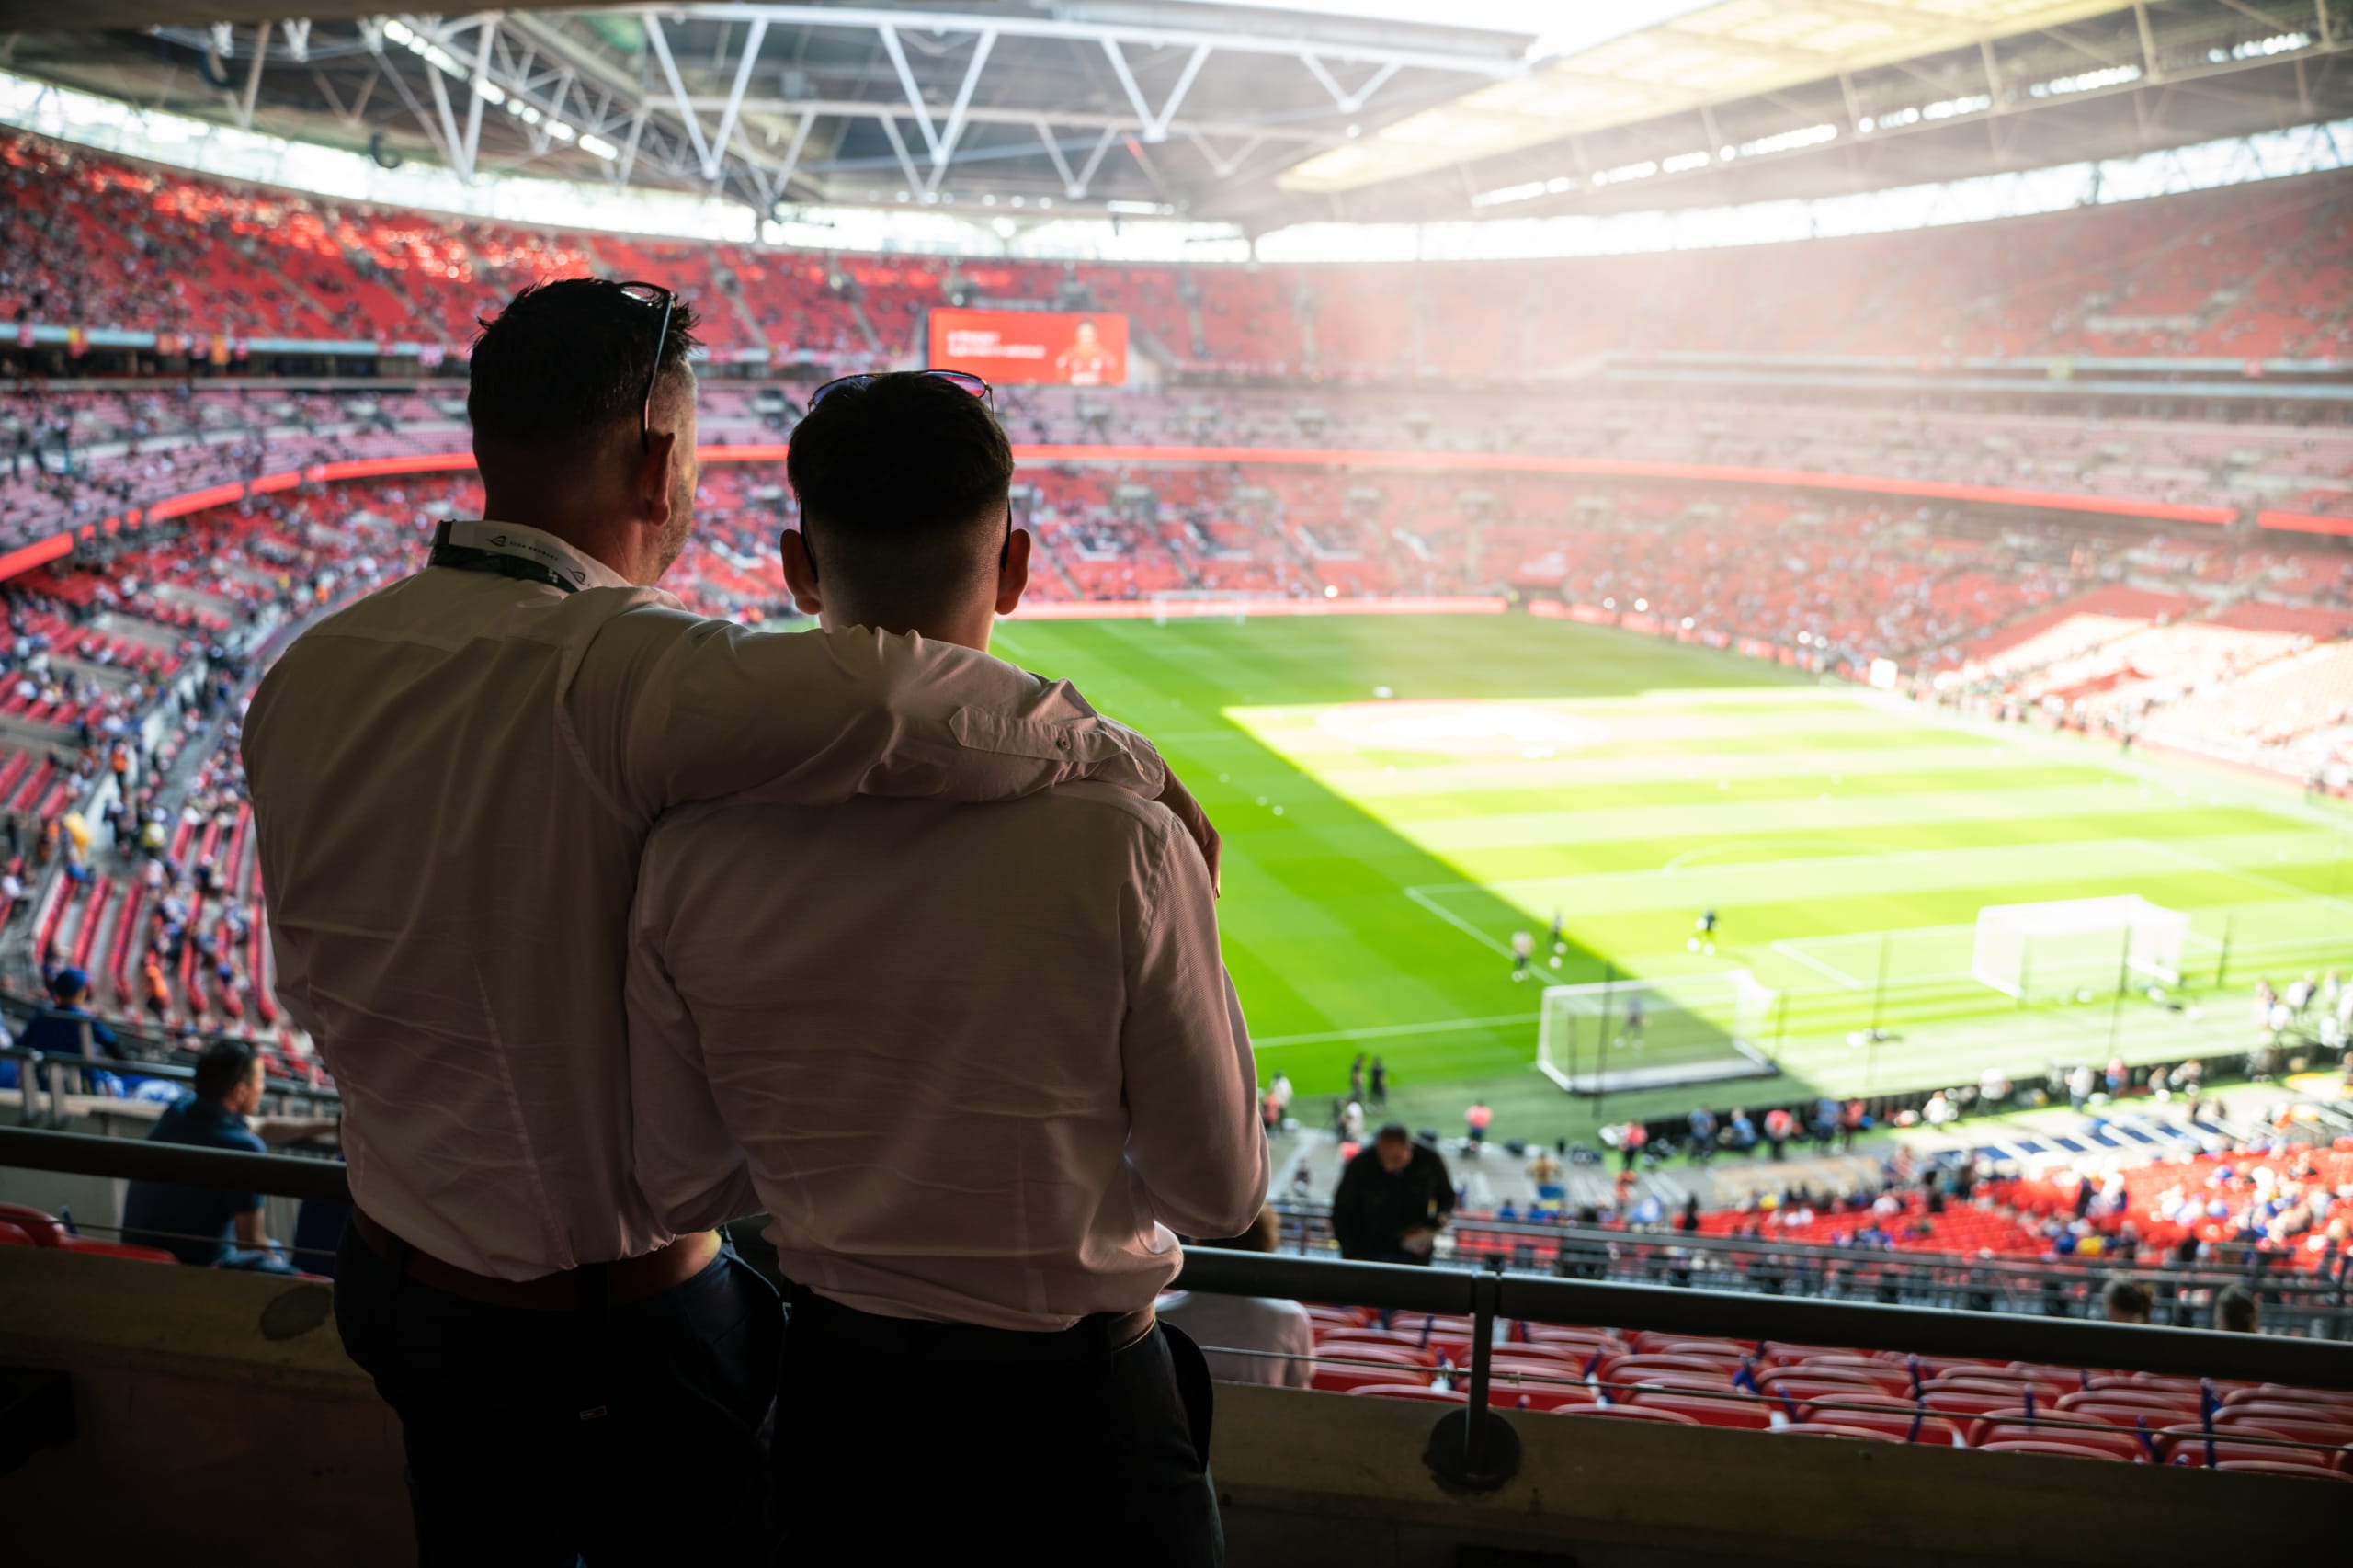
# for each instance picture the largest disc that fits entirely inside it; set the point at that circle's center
(652, 294)
(965, 378)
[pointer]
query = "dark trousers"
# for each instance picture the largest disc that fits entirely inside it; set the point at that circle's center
(908, 1440)
(627, 1435)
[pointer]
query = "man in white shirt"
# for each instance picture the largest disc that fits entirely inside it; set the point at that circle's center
(980, 1064)
(452, 782)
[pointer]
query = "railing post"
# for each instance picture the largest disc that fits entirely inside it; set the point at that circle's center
(1473, 1449)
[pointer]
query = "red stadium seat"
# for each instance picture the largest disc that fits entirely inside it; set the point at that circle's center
(39, 1226)
(2283, 1467)
(1631, 1412)
(13, 1235)
(1332, 1379)
(1740, 1411)
(1408, 1391)
(2119, 1444)
(1898, 1424)
(2051, 1447)
(115, 1249)
(1827, 1429)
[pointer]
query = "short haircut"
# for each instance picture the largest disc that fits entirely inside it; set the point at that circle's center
(903, 486)
(1392, 1132)
(2128, 1300)
(2235, 1310)
(224, 1068)
(566, 361)
(1263, 1234)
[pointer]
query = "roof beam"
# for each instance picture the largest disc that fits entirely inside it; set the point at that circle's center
(714, 167)
(1492, 63)
(660, 39)
(953, 132)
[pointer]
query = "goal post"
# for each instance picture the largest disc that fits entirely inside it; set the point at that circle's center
(1612, 1036)
(1201, 604)
(2068, 946)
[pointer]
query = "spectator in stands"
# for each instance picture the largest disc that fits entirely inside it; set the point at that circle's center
(2127, 1300)
(527, 706)
(973, 1182)
(2236, 1311)
(1247, 1339)
(1393, 1200)
(209, 1226)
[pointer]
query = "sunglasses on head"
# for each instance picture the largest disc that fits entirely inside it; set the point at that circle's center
(652, 294)
(965, 378)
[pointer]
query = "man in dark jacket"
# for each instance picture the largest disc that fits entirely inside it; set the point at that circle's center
(1393, 1200)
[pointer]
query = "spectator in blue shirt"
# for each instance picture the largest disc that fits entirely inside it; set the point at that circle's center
(59, 1030)
(209, 1226)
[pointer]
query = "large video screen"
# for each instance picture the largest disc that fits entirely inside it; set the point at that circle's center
(1066, 347)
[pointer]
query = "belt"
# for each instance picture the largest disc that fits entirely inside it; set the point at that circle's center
(1091, 1340)
(630, 1279)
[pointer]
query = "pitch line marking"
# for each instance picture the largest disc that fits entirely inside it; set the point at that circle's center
(1385, 1031)
(2288, 890)
(1789, 951)
(1457, 920)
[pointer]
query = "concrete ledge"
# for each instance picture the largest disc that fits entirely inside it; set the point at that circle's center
(220, 1421)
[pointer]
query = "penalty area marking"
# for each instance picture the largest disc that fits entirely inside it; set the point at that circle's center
(1390, 1031)
(1420, 896)
(1788, 950)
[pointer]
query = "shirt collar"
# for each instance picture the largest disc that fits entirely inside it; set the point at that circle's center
(594, 572)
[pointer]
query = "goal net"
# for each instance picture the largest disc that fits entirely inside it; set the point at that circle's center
(1621, 1035)
(2073, 945)
(1201, 604)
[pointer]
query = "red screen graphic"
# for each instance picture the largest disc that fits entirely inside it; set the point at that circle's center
(1069, 348)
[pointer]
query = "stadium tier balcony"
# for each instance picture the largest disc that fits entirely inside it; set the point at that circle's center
(2245, 271)
(1447, 1412)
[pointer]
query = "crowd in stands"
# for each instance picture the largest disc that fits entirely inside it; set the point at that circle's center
(2245, 271)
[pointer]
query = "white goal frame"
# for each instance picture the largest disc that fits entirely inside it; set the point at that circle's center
(1582, 1040)
(2067, 942)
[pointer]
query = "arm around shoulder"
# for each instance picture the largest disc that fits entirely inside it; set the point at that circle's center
(666, 708)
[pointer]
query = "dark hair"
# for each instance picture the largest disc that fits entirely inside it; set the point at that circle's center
(901, 483)
(2128, 1300)
(224, 1067)
(1395, 1131)
(567, 360)
(2235, 1310)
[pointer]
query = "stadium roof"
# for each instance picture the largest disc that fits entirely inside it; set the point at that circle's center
(1261, 116)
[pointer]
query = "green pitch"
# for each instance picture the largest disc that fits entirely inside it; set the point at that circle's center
(1381, 850)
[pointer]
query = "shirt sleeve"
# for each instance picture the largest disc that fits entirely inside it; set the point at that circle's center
(691, 1169)
(1193, 1132)
(666, 708)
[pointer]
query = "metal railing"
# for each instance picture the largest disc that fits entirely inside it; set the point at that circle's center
(1474, 1446)
(2318, 1305)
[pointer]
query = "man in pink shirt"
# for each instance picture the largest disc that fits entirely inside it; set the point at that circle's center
(979, 1064)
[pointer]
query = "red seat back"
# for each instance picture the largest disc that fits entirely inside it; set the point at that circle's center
(39, 1225)
(2284, 1467)
(1347, 1380)
(13, 1235)
(1410, 1390)
(1744, 1413)
(2049, 1446)
(1630, 1413)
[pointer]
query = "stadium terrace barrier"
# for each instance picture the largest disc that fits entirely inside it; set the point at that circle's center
(175, 1375)
(2304, 523)
(1184, 610)
(2314, 1305)
(1485, 1295)
(40, 552)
